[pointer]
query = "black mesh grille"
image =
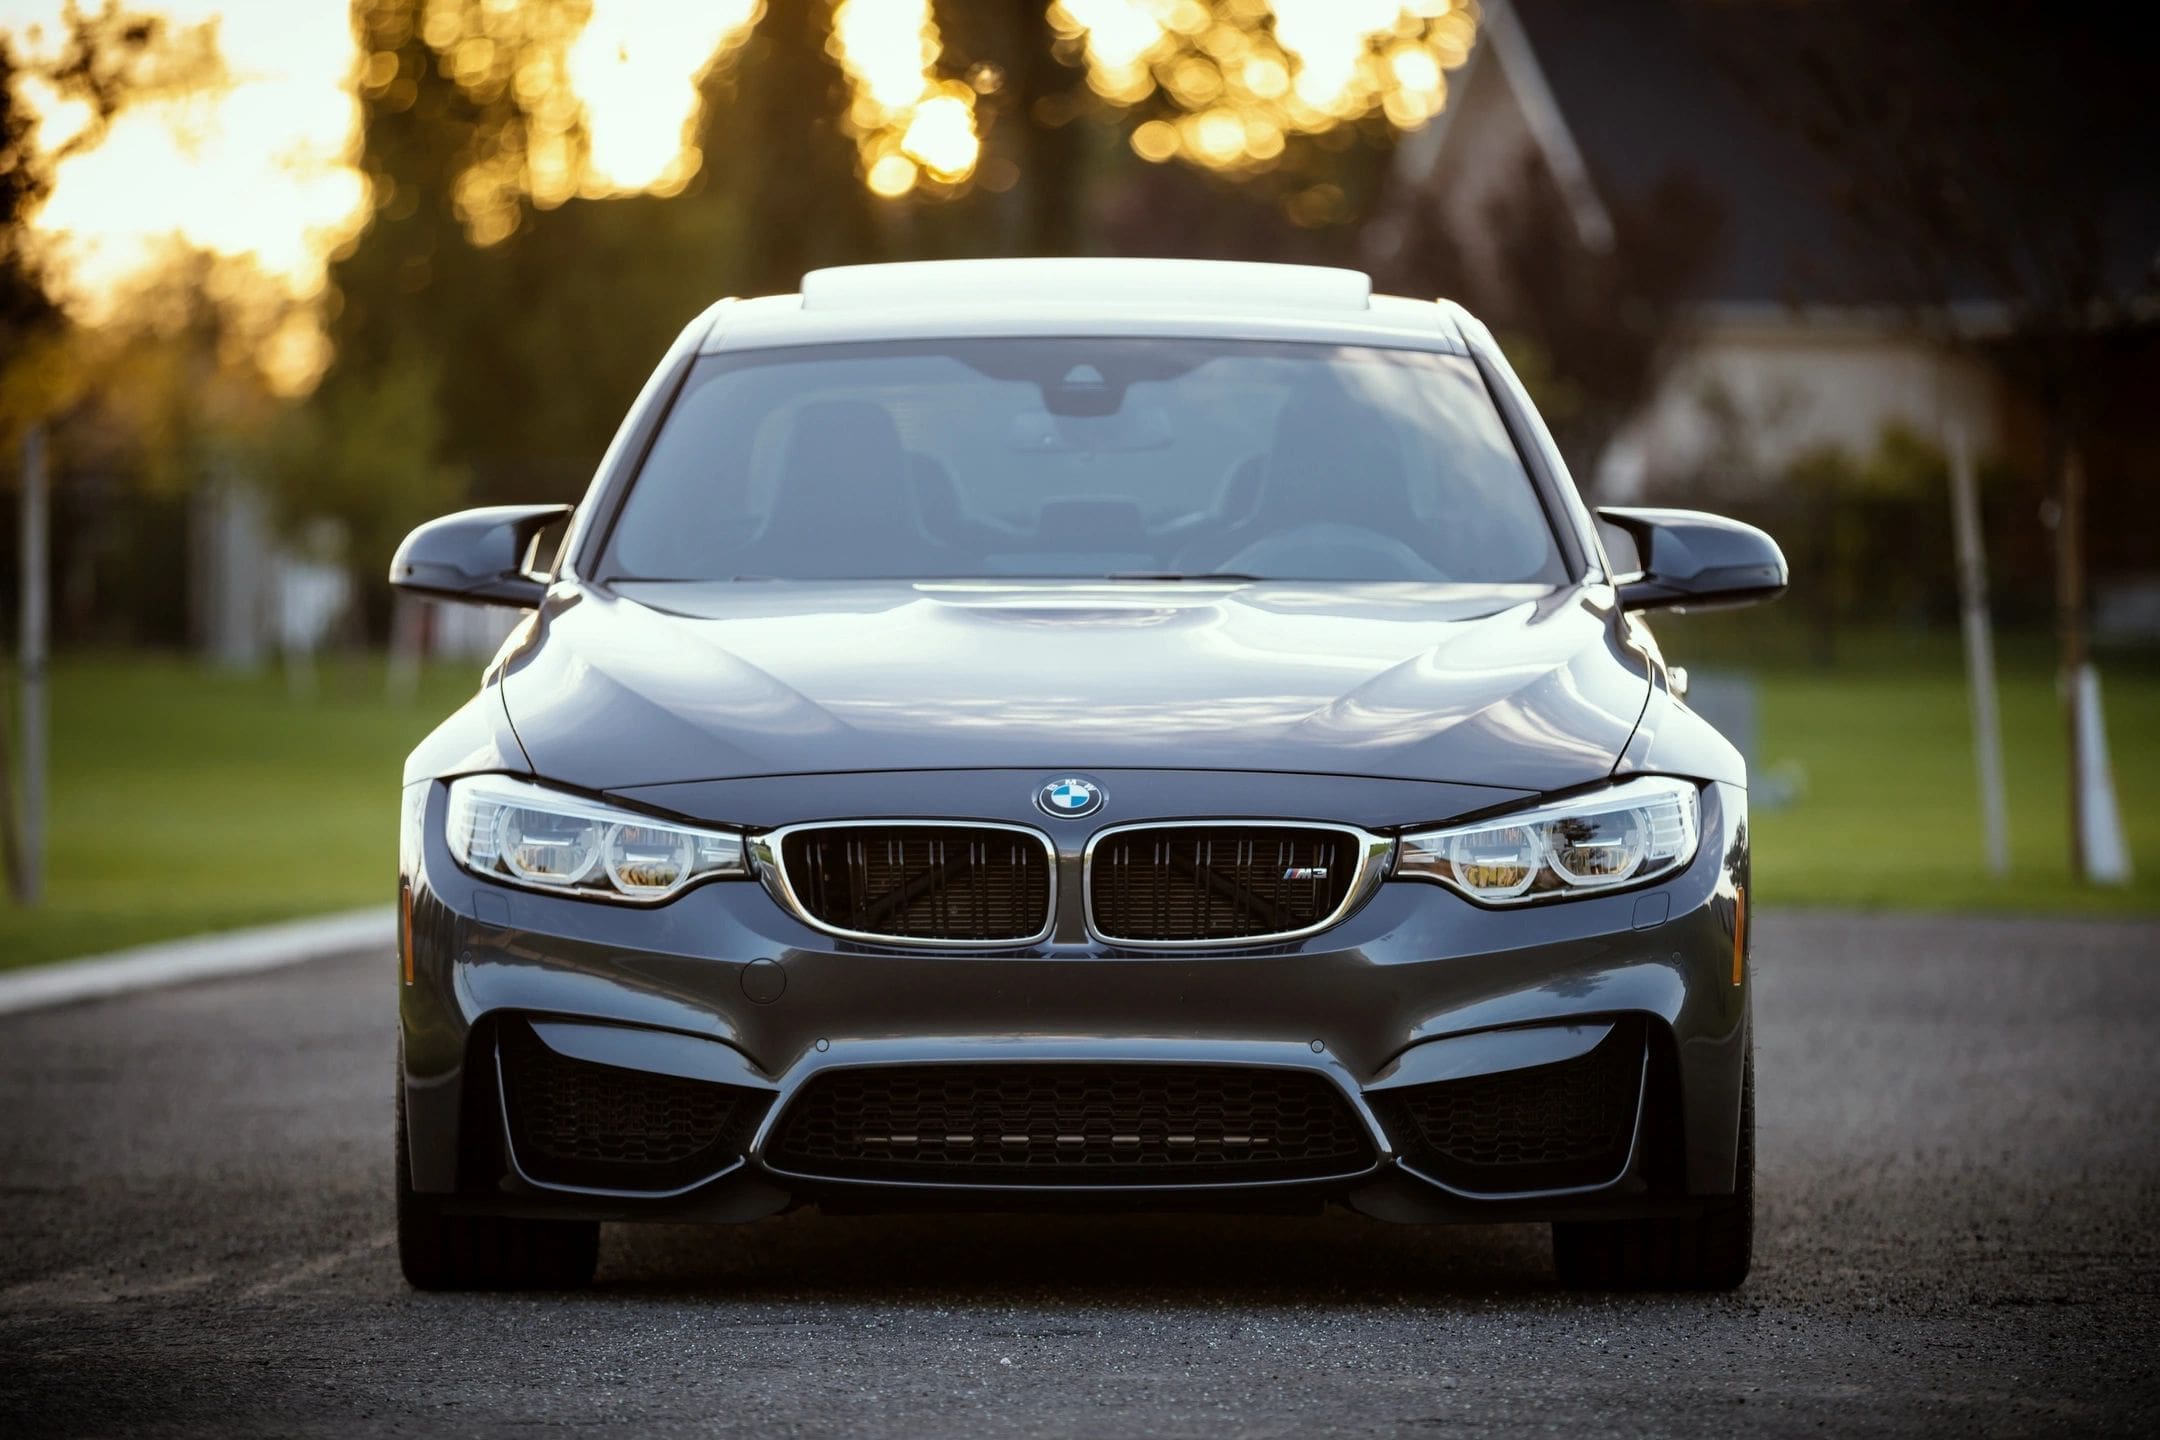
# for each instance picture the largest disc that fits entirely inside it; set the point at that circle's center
(1551, 1127)
(923, 882)
(1050, 1124)
(1217, 882)
(598, 1126)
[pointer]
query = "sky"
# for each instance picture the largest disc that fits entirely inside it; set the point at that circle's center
(262, 168)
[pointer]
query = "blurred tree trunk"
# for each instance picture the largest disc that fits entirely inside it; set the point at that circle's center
(1052, 140)
(774, 149)
(1032, 110)
(11, 844)
(2070, 633)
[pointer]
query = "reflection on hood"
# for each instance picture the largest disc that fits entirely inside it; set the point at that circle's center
(1511, 686)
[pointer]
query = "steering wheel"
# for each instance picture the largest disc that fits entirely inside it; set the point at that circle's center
(1331, 550)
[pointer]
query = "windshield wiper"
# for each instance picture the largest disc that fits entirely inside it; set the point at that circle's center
(1225, 575)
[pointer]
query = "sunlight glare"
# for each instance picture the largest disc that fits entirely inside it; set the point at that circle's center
(635, 69)
(907, 123)
(260, 171)
(1247, 73)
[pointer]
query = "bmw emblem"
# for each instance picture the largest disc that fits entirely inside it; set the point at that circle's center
(1069, 798)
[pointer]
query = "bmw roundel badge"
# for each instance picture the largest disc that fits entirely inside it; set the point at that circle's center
(1069, 798)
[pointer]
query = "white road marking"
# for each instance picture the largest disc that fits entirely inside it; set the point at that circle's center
(100, 1284)
(200, 957)
(320, 1266)
(94, 1285)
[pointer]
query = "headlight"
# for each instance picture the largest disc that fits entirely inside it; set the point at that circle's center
(1637, 830)
(512, 830)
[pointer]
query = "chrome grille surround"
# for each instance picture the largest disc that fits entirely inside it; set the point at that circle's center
(768, 857)
(1374, 856)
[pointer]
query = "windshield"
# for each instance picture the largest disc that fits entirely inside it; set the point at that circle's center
(1084, 458)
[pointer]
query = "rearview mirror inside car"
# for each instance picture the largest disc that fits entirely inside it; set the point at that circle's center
(1045, 432)
(482, 556)
(1665, 559)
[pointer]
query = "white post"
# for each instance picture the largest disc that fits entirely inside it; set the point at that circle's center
(35, 624)
(2107, 857)
(1979, 648)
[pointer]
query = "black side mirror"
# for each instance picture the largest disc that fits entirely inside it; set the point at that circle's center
(482, 556)
(1666, 558)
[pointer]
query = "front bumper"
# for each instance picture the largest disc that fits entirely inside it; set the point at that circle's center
(1418, 988)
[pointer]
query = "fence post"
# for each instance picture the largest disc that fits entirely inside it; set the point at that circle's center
(1979, 648)
(35, 627)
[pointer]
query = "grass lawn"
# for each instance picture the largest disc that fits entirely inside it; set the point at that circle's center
(1888, 811)
(185, 800)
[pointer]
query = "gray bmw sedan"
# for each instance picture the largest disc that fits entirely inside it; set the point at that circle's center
(1129, 734)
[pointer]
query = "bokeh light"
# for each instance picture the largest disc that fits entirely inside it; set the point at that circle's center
(255, 170)
(909, 125)
(596, 98)
(635, 69)
(606, 97)
(1240, 76)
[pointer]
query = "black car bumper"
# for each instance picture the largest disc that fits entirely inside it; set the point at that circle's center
(1426, 1059)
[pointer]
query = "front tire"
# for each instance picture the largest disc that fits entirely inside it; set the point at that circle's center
(485, 1252)
(1711, 1251)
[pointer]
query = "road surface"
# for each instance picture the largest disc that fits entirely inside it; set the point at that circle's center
(1960, 1140)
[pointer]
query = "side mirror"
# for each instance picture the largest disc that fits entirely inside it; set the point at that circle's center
(1666, 558)
(482, 556)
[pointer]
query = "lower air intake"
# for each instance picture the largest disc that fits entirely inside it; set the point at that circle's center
(1063, 1125)
(1550, 1127)
(601, 1127)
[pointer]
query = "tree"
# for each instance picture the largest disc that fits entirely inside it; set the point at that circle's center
(1593, 329)
(26, 311)
(473, 220)
(105, 60)
(1230, 86)
(481, 242)
(777, 156)
(2000, 177)
(160, 386)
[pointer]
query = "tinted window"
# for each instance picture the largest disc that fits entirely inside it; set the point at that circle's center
(1084, 457)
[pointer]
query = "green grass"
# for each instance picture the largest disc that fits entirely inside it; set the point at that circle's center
(184, 800)
(1888, 810)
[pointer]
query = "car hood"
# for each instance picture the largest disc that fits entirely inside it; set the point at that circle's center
(651, 683)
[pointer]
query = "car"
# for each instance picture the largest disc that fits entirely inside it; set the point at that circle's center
(1041, 734)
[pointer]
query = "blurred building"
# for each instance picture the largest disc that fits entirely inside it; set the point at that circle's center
(1796, 336)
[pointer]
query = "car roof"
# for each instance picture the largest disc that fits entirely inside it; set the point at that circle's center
(1201, 298)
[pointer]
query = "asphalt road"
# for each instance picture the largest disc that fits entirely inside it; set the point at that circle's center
(1960, 1136)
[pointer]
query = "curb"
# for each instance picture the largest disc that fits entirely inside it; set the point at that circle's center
(199, 957)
